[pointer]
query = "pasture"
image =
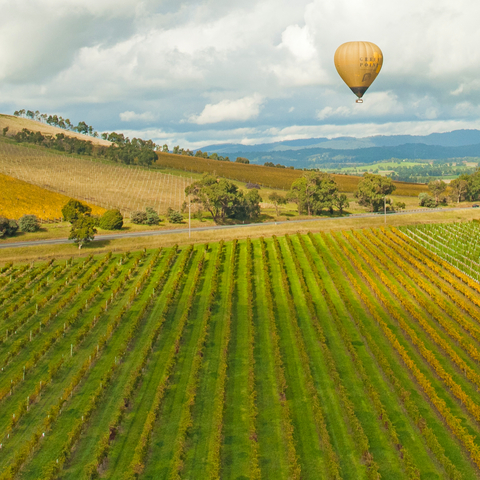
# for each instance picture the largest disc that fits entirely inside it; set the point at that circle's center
(333, 355)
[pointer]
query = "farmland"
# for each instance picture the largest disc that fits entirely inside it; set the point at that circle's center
(100, 183)
(19, 198)
(281, 178)
(333, 355)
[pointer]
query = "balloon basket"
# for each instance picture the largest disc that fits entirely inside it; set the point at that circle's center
(358, 100)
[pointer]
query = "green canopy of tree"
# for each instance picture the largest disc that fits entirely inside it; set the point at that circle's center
(372, 190)
(459, 188)
(7, 227)
(313, 193)
(437, 187)
(277, 200)
(75, 209)
(83, 230)
(223, 199)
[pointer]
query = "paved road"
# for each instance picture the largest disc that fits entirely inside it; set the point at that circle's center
(113, 236)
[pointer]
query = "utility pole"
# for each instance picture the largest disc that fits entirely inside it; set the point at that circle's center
(385, 207)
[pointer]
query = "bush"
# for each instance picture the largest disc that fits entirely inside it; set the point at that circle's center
(111, 220)
(7, 227)
(74, 209)
(28, 223)
(152, 216)
(139, 218)
(174, 216)
(242, 160)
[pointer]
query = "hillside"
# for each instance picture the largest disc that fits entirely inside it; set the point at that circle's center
(19, 198)
(17, 124)
(306, 356)
(94, 181)
(268, 176)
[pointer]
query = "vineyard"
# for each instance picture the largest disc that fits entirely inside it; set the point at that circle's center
(19, 198)
(127, 188)
(346, 355)
(457, 243)
(271, 177)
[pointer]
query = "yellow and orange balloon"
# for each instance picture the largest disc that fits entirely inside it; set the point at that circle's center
(358, 63)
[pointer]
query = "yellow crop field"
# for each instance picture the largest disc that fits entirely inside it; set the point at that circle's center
(19, 198)
(108, 185)
(267, 176)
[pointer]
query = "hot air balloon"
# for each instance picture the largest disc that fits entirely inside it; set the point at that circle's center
(358, 63)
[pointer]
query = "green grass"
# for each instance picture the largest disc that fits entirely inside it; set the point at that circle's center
(343, 317)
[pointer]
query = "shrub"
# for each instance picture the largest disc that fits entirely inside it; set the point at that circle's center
(174, 216)
(139, 218)
(74, 209)
(152, 217)
(242, 160)
(111, 220)
(7, 227)
(28, 223)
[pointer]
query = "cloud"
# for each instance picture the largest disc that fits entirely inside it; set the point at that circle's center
(129, 116)
(230, 110)
(260, 65)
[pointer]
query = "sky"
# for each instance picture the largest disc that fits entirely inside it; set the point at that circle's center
(200, 72)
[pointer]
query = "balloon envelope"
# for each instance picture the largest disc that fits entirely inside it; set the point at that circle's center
(358, 63)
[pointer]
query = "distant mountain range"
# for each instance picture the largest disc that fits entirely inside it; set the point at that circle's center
(457, 138)
(350, 150)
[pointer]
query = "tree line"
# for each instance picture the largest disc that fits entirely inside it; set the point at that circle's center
(57, 121)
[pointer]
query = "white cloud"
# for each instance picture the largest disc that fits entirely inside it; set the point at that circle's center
(130, 116)
(229, 110)
(103, 61)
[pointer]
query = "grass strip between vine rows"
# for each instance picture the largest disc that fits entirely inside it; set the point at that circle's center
(294, 468)
(333, 467)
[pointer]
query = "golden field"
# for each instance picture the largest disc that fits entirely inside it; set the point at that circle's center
(19, 198)
(267, 176)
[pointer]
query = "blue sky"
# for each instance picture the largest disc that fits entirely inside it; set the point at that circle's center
(200, 72)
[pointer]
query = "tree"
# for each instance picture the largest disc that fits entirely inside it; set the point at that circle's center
(220, 197)
(372, 190)
(83, 230)
(242, 160)
(165, 148)
(437, 187)
(111, 220)
(7, 227)
(341, 202)
(74, 209)
(252, 205)
(473, 180)
(28, 223)
(459, 189)
(313, 192)
(426, 200)
(277, 200)
(146, 156)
